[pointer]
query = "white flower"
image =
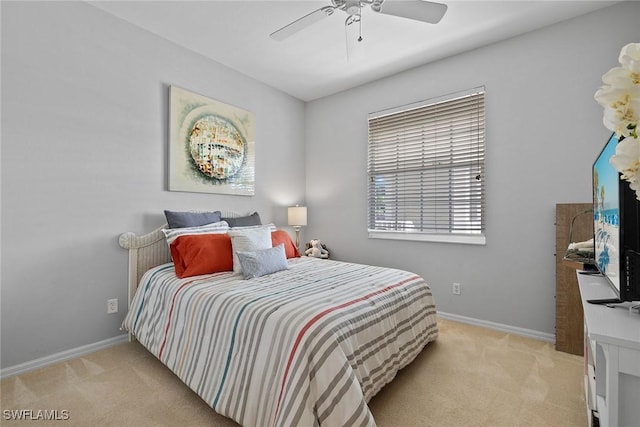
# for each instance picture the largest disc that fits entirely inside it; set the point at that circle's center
(620, 98)
(621, 110)
(627, 162)
(620, 95)
(630, 57)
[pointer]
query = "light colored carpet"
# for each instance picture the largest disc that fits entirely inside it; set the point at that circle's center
(470, 376)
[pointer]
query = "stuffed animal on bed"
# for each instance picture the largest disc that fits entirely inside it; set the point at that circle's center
(316, 249)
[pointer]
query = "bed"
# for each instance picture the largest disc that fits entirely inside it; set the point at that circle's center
(308, 345)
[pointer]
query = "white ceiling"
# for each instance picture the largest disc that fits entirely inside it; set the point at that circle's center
(313, 63)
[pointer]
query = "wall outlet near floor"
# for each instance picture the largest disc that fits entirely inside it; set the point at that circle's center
(456, 288)
(112, 306)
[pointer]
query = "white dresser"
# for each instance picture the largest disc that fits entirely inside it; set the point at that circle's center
(612, 356)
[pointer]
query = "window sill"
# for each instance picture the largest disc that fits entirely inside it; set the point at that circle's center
(464, 239)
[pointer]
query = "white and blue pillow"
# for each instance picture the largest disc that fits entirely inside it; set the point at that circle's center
(262, 262)
(247, 239)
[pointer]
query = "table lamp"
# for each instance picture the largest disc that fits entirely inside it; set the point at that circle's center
(297, 217)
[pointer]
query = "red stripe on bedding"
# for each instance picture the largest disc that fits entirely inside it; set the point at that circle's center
(318, 317)
(166, 330)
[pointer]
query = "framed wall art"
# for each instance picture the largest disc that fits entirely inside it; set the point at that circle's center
(211, 145)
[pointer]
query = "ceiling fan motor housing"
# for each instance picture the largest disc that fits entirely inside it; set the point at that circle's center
(352, 7)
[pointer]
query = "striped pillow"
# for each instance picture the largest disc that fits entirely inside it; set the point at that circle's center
(172, 234)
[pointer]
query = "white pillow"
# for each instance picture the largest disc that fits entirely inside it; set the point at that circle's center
(214, 228)
(248, 240)
(263, 262)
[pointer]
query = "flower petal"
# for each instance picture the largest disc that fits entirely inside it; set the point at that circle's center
(630, 57)
(622, 78)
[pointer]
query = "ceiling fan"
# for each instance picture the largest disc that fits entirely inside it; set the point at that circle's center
(419, 10)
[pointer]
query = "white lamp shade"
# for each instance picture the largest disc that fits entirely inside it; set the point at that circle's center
(297, 216)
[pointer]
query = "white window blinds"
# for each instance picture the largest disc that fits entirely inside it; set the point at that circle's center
(426, 168)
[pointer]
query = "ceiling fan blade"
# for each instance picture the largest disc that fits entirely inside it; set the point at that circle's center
(418, 10)
(301, 23)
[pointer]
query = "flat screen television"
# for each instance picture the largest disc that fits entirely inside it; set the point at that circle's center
(616, 225)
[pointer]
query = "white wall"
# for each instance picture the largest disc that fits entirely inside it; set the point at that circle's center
(84, 155)
(543, 132)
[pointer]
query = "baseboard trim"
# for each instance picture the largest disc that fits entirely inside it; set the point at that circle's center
(90, 348)
(530, 333)
(62, 356)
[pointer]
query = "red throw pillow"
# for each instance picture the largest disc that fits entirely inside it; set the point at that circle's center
(281, 236)
(194, 255)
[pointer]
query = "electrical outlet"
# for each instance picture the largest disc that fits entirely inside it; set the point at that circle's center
(112, 306)
(456, 288)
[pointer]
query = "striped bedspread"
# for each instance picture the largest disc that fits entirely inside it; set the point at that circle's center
(308, 346)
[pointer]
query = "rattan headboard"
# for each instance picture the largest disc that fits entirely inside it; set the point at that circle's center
(149, 250)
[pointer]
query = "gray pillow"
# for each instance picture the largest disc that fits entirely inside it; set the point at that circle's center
(262, 262)
(244, 221)
(191, 219)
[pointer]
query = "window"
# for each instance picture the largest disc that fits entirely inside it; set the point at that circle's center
(426, 170)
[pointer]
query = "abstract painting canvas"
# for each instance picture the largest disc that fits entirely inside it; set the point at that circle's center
(211, 145)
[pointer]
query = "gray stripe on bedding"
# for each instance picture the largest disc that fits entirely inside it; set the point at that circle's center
(237, 343)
